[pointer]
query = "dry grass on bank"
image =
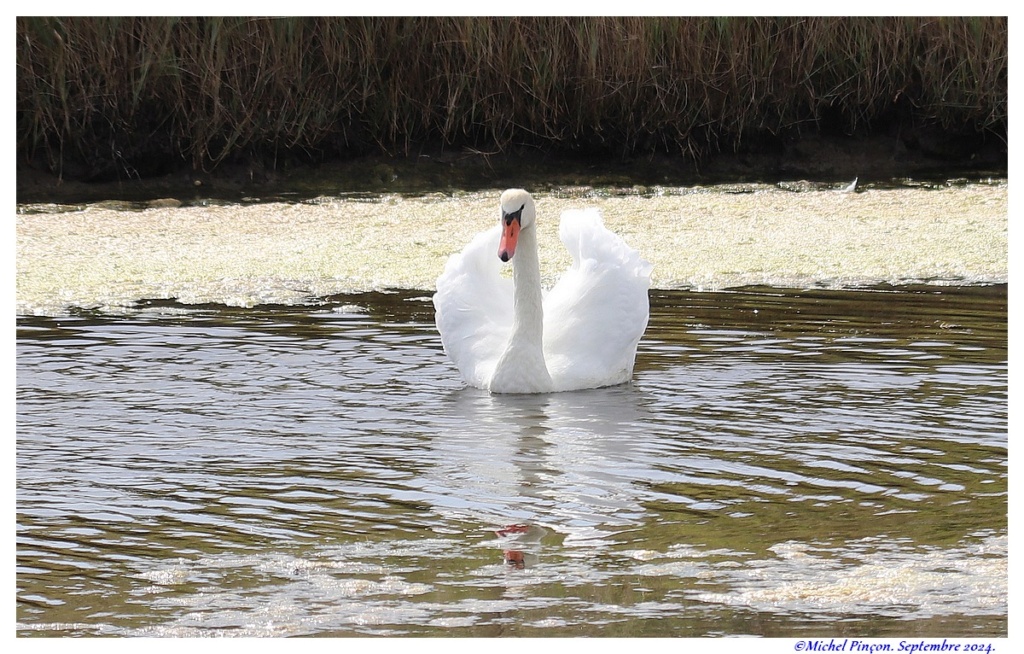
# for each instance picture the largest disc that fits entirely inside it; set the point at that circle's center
(136, 96)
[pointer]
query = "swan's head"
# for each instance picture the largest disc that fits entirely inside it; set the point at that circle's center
(517, 213)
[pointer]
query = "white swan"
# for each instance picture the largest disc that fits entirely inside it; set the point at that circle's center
(508, 336)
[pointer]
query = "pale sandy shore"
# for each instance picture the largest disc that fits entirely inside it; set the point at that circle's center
(706, 239)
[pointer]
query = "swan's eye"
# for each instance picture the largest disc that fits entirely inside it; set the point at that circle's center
(514, 215)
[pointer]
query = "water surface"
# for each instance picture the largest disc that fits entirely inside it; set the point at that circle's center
(785, 463)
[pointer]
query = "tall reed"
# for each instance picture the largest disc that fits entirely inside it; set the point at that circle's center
(137, 96)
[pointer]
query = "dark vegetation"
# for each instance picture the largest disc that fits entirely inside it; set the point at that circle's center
(103, 99)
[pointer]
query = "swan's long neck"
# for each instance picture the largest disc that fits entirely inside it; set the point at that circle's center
(521, 368)
(528, 302)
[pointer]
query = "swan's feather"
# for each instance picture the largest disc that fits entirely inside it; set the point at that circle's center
(473, 308)
(597, 312)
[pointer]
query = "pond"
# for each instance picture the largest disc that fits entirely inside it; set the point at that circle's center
(784, 463)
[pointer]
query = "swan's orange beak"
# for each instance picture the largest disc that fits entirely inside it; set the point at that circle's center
(509, 236)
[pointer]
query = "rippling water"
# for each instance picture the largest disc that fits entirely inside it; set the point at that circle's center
(784, 463)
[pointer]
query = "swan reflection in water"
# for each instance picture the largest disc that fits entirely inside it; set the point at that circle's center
(532, 467)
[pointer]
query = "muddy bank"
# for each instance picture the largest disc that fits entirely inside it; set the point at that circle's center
(880, 159)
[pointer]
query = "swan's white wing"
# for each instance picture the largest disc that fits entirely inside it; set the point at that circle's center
(473, 308)
(597, 312)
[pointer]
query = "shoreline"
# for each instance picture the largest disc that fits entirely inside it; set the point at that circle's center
(878, 158)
